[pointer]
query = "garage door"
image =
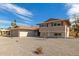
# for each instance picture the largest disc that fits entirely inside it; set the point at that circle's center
(23, 34)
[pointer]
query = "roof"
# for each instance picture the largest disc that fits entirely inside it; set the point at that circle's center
(25, 28)
(53, 19)
(4, 30)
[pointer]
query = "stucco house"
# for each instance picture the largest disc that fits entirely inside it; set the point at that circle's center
(4, 32)
(24, 31)
(50, 28)
(20, 31)
(54, 28)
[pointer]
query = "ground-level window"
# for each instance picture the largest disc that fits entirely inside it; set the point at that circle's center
(57, 34)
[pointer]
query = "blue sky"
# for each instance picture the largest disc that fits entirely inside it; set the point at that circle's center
(30, 13)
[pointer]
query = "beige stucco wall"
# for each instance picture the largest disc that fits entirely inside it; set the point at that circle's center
(66, 31)
(30, 33)
(50, 31)
(0, 33)
(16, 33)
(51, 34)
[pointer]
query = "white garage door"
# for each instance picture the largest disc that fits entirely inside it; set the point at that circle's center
(23, 34)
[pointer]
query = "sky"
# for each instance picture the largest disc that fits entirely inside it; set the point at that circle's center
(30, 14)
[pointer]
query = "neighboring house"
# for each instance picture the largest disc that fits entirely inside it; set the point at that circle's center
(4, 32)
(54, 28)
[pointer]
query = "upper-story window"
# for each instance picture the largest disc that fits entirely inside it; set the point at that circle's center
(59, 24)
(44, 25)
(41, 25)
(56, 24)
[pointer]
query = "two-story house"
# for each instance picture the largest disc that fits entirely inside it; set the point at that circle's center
(54, 28)
(50, 28)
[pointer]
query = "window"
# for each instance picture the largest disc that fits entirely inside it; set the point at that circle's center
(44, 25)
(59, 24)
(57, 34)
(56, 24)
(41, 25)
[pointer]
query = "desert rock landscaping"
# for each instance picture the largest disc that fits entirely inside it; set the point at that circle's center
(25, 46)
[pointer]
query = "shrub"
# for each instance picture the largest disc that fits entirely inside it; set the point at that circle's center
(38, 50)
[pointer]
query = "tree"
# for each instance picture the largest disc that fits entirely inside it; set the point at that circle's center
(76, 21)
(13, 24)
(75, 26)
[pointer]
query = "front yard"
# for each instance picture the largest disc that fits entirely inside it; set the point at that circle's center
(27, 46)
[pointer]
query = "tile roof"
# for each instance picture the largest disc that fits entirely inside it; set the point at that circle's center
(53, 19)
(4, 30)
(25, 28)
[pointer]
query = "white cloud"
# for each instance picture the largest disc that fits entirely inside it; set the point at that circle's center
(23, 14)
(23, 24)
(6, 1)
(73, 9)
(20, 12)
(24, 18)
(4, 21)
